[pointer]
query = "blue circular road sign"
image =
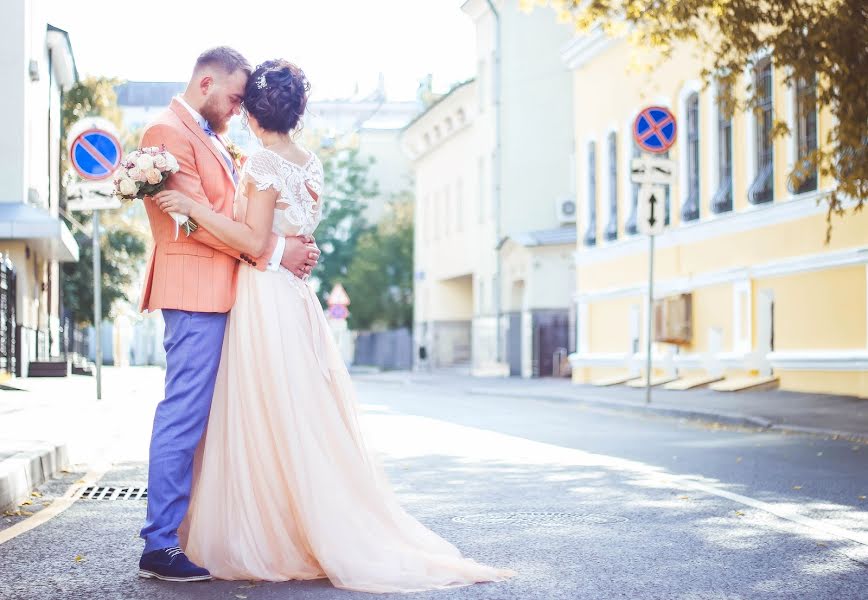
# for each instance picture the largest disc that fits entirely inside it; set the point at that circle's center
(95, 154)
(654, 129)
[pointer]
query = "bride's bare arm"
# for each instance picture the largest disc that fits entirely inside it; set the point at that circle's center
(250, 237)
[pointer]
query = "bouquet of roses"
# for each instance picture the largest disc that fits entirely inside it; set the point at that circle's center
(144, 173)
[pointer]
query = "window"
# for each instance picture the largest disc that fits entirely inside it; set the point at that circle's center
(722, 200)
(447, 212)
(459, 206)
(805, 137)
(690, 208)
(762, 189)
(630, 226)
(591, 198)
(612, 226)
(480, 173)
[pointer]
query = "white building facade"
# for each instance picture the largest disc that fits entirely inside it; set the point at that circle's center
(37, 66)
(493, 164)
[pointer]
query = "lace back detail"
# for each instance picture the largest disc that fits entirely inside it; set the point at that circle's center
(267, 169)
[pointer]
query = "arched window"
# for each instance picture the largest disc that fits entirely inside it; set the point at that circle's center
(612, 226)
(722, 200)
(762, 189)
(690, 207)
(805, 136)
(591, 198)
(630, 226)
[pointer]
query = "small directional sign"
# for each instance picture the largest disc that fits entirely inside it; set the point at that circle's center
(652, 209)
(650, 169)
(654, 129)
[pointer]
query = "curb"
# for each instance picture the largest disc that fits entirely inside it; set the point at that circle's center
(736, 419)
(25, 470)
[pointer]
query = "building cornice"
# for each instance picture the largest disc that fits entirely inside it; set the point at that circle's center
(789, 266)
(583, 48)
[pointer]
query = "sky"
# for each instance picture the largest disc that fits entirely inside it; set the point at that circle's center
(342, 45)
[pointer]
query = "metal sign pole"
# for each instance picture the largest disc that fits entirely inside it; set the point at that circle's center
(97, 304)
(649, 325)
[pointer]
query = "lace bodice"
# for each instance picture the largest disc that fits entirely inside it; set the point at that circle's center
(267, 169)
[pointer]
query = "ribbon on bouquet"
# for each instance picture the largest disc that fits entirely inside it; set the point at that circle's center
(183, 221)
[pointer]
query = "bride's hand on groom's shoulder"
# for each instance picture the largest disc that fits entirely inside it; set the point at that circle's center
(173, 201)
(300, 255)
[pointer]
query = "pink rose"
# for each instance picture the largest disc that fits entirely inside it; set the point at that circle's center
(154, 176)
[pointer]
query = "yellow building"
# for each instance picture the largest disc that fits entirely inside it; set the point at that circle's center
(767, 301)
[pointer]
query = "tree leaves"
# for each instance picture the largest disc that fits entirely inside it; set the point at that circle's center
(379, 280)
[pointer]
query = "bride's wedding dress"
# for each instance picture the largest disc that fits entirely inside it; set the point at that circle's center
(284, 486)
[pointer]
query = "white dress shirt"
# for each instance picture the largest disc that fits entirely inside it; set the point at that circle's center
(277, 256)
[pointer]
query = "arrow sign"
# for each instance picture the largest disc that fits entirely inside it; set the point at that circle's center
(650, 169)
(651, 213)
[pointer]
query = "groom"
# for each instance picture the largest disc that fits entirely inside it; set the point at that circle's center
(192, 280)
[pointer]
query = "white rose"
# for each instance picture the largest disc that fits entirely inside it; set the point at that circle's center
(134, 173)
(160, 162)
(172, 163)
(154, 176)
(145, 162)
(127, 187)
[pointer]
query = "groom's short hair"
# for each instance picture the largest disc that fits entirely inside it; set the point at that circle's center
(228, 59)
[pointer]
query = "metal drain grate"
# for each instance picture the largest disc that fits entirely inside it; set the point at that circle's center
(539, 519)
(115, 493)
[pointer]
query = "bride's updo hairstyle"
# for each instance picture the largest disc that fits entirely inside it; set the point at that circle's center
(276, 95)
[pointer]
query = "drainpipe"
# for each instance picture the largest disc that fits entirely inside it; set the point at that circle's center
(496, 176)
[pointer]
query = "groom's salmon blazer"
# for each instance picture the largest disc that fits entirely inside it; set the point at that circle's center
(196, 273)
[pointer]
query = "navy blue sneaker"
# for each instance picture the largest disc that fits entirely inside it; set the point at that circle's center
(171, 564)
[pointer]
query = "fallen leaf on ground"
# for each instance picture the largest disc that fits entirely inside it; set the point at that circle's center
(822, 544)
(861, 497)
(854, 448)
(240, 596)
(36, 494)
(26, 503)
(79, 558)
(797, 487)
(26, 513)
(738, 513)
(738, 459)
(684, 497)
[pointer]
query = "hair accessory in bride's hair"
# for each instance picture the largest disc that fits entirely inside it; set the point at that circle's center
(261, 84)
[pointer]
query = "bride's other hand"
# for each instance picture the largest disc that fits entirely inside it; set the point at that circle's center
(300, 255)
(174, 201)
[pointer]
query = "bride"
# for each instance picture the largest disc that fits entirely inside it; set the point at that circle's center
(284, 486)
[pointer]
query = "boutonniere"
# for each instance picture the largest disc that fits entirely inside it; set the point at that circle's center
(238, 156)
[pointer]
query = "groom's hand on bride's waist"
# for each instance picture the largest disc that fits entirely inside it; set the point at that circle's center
(300, 255)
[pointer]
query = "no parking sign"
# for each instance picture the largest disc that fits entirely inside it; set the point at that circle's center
(94, 149)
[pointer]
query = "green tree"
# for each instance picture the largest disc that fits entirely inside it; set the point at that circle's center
(347, 188)
(379, 279)
(122, 246)
(817, 39)
(121, 252)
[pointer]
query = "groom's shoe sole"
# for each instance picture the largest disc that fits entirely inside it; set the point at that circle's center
(151, 575)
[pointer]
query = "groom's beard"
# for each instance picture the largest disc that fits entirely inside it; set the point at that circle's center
(217, 120)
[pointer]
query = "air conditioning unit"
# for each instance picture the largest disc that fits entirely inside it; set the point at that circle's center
(565, 210)
(673, 319)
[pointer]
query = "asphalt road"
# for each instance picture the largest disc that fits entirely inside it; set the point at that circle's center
(584, 504)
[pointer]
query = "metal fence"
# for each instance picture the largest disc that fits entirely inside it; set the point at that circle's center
(8, 327)
(388, 350)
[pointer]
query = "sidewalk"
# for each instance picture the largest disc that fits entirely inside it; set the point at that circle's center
(51, 424)
(776, 410)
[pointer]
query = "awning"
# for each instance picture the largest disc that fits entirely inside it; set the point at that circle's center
(49, 235)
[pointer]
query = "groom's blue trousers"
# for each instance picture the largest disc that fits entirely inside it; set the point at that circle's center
(193, 342)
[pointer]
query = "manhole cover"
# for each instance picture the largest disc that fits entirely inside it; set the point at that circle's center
(115, 493)
(539, 519)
